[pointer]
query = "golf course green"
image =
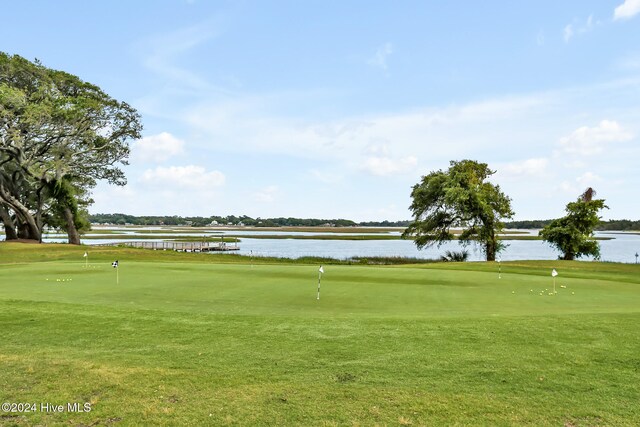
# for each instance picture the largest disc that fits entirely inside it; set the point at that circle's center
(198, 339)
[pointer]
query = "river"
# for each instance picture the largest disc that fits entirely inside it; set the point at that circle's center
(621, 248)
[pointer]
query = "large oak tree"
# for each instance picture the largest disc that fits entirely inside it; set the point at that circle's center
(460, 197)
(59, 135)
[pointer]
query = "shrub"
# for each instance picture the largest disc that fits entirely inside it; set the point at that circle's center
(453, 256)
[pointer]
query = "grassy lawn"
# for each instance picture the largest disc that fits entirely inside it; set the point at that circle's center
(198, 339)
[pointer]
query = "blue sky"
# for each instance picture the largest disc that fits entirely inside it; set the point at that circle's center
(336, 109)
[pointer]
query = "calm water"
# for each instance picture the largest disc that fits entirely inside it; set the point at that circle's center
(622, 248)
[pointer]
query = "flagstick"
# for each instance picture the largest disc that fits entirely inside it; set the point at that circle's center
(117, 275)
(319, 276)
(86, 261)
(554, 285)
(499, 270)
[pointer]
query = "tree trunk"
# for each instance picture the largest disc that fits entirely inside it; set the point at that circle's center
(28, 228)
(490, 249)
(72, 230)
(38, 217)
(27, 231)
(9, 228)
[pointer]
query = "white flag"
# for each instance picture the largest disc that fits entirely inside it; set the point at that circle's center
(114, 264)
(85, 255)
(321, 270)
(554, 273)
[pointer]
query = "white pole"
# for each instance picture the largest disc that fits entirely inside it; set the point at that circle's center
(117, 276)
(319, 277)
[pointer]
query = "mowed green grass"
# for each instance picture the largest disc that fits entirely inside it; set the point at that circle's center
(195, 339)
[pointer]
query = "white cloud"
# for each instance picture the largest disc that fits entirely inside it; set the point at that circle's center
(579, 184)
(530, 167)
(434, 134)
(183, 177)
(629, 62)
(157, 148)
(267, 194)
(162, 54)
(175, 190)
(627, 10)
(497, 108)
(106, 197)
(385, 166)
(588, 179)
(574, 164)
(588, 141)
(494, 130)
(379, 59)
(578, 28)
(380, 162)
(568, 33)
(568, 187)
(325, 176)
(377, 149)
(452, 131)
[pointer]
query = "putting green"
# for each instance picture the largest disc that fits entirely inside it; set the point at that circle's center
(282, 289)
(207, 343)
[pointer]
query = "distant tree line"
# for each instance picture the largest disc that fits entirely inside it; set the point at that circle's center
(384, 223)
(618, 225)
(199, 221)
(610, 225)
(527, 224)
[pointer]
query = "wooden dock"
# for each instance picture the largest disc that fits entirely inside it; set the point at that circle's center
(179, 246)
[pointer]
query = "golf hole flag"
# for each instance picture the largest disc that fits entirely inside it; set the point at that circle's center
(114, 264)
(554, 273)
(85, 255)
(320, 271)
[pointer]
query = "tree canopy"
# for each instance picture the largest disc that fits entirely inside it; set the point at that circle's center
(460, 197)
(59, 135)
(573, 233)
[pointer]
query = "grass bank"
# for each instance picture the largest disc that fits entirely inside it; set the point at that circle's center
(195, 339)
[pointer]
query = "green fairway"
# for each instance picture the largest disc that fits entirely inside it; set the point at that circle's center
(197, 339)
